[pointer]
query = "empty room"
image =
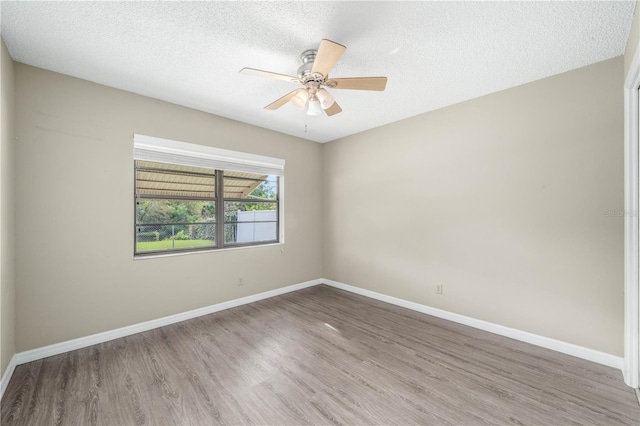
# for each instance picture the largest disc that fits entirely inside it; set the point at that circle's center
(309, 212)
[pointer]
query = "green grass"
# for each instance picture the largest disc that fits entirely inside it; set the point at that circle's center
(167, 244)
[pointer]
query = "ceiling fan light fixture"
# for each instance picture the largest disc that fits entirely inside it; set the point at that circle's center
(300, 99)
(325, 98)
(314, 107)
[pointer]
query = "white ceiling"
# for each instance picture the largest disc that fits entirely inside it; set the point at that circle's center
(434, 53)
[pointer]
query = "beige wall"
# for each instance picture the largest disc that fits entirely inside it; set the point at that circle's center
(7, 210)
(502, 199)
(75, 269)
(633, 40)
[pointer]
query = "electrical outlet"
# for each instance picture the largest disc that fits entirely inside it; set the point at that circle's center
(240, 280)
(439, 288)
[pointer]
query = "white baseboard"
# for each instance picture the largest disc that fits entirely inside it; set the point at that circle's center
(83, 342)
(545, 342)
(7, 375)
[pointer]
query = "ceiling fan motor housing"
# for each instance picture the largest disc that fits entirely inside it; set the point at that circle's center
(304, 72)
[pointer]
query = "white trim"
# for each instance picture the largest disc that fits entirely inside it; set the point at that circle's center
(83, 342)
(631, 368)
(281, 209)
(523, 336)
(188, 253)
(4, 382)
(545, 342)
(188, 154)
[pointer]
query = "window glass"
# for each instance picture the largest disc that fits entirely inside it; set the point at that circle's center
(176, 208)
(250, 208)
(174, 224)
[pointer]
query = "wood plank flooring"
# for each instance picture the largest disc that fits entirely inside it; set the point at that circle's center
(316, 356)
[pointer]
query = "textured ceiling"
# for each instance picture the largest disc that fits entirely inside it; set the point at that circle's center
(434, 53)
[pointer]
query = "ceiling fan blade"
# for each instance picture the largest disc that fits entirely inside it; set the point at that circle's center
(328, 54)
(358, 83)
(283, 100)
(268, 74)
(333, 109)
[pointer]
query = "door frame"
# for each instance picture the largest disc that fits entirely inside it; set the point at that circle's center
(631, 368)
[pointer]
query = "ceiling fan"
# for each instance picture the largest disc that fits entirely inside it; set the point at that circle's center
(314, 76)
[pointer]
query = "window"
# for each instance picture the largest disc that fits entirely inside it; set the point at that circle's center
(191, 197)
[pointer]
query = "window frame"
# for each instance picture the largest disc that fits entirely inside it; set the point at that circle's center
(219, 201)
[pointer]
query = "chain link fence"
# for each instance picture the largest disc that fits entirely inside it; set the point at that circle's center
(158, 237)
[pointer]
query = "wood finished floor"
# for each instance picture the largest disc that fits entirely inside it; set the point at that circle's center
(316, 356)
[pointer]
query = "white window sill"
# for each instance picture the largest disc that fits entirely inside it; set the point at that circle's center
(186, 253)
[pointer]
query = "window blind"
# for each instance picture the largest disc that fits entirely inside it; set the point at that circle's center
(149, 148)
